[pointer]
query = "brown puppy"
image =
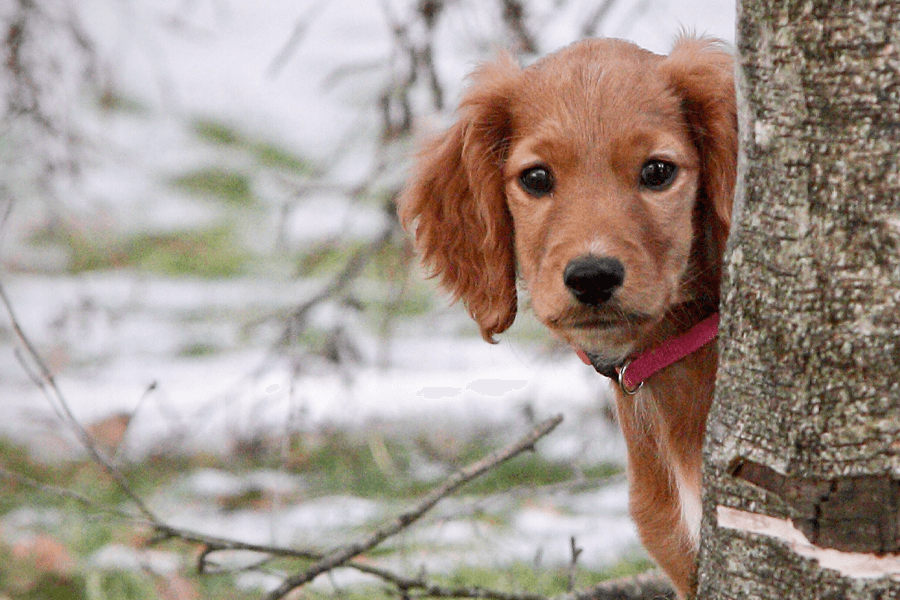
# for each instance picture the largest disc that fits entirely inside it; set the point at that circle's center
(603, 176)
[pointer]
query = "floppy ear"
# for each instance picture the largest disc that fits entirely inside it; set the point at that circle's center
(702, 74)
(455, 196)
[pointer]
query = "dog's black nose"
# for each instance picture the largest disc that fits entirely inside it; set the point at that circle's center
(594, 279)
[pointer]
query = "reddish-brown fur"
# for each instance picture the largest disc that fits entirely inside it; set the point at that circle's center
(594, 113)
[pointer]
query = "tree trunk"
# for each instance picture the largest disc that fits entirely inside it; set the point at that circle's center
(803, 441)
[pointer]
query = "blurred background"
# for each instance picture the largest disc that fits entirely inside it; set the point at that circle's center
(197, 236)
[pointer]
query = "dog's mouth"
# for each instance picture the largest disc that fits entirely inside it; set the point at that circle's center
(594, 323)
(588, 318)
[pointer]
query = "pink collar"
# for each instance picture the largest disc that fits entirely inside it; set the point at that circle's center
(633, 373)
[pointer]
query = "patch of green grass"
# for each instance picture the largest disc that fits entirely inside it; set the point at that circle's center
(515, 578)
(209, 252)
(87, 478)
(413, 303)
(266, 153)
(120, 585)
(371, 464)
(199, 350)
(16, 459)
(337, 462)
(218, 183)
(323, 258)
(212, 252)
(602, 471)
(331, 255)
(216, 132)
(213, 585)
(528, 469)
(524, 577)
(89, 250)
(273, 156)
(627, 567)
(50, 586)
(113, 101)
(387, 262)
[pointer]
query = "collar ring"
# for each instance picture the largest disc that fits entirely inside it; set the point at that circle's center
(632, 391)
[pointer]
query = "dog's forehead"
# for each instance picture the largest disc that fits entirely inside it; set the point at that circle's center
(594, 51)
(599, 79)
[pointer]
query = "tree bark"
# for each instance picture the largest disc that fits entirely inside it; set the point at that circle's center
(803, 442)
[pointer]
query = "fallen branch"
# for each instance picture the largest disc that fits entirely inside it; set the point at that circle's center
(339, 557)
(44, 488)
(647, 586)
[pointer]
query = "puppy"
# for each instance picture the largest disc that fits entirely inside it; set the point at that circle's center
(602, 178)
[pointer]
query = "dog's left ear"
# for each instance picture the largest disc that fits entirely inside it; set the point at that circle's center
(702, 74)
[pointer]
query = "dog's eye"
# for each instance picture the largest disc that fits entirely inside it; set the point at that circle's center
(658, 174)
(537, 181)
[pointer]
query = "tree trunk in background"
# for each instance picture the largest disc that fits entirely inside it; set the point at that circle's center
(803, 445)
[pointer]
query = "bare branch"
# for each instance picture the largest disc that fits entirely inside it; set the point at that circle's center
(592, 23)
(430, 12)
(514, 17)
(453, 483)
(303, 24)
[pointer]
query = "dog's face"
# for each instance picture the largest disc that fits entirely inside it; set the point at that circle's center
(601, 180)
(602, 174)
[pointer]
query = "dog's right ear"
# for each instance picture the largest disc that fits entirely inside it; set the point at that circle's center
(702, 73)
(455, 199)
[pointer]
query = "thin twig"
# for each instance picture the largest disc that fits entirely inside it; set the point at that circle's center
(352, 268)
(297, 35)
(592, 23)
(53, 490)
(450, 485)
(216, 544)
(54, 395)
(7, 212)
(573, 567)
(513, 15)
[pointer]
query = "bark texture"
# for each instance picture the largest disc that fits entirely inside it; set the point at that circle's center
(806, 423)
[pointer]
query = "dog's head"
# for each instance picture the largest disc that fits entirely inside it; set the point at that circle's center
(602, 174)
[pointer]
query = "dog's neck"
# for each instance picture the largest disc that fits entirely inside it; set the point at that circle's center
(672, 351)
(678, 320)
(674, 339)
